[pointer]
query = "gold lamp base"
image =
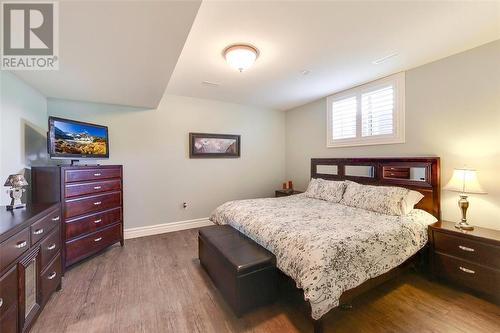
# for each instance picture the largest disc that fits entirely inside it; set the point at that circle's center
(463, 203)
(464, 225)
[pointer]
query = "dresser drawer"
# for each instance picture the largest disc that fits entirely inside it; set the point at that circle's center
(14, 247)
(78, 175)
(50, 247)
(480, 253)
(78, 206)
(476, 277)
(41, 228)
(50, 279)
(8, 323)
(83, 247)
(89, 223)
(76, 189)
(8, 291)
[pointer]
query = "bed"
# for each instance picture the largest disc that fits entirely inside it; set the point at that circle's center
(331, 250)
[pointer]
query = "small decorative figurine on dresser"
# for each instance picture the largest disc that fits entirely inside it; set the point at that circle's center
(16, 190)
(464, 181)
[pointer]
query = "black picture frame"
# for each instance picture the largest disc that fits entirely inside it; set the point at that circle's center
(195, 152)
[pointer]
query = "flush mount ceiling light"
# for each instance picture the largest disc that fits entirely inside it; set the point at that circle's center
(240, 56)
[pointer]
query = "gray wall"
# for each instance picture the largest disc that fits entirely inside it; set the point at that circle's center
(158, 173)
(23, 126)
(452, 111)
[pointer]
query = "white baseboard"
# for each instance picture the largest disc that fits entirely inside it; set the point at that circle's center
(165, 227)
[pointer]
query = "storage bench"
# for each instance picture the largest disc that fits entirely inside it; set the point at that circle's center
(244, 272)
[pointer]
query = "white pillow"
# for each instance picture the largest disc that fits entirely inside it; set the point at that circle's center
(328, 190)
(409, 201)
(312, 189)
(381, 199)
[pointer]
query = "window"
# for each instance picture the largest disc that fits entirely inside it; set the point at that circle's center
(369, 114)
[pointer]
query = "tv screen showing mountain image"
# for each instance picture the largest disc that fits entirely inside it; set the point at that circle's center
(74, 139)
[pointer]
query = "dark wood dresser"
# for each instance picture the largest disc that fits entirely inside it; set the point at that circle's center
(469, 259)
(30, 263)
(92, 206)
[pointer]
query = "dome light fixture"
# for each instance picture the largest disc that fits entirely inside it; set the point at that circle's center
(240, 56)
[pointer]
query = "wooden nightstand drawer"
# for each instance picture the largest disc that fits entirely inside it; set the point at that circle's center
(477, 252)
(467, 274)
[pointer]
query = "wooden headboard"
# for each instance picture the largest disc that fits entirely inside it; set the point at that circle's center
(420, 174)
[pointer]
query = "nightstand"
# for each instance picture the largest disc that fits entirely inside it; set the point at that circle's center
(285, 193)
(469, 259)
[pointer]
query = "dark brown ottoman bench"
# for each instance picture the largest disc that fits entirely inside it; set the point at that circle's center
(244, 272)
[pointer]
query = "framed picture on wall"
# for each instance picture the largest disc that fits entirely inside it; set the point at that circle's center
(205, 145)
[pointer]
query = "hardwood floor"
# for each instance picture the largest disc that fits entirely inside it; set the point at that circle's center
(156, 284)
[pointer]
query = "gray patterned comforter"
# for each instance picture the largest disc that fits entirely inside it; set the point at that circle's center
(325, 247)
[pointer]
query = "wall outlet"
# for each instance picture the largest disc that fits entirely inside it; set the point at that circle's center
(184, 205)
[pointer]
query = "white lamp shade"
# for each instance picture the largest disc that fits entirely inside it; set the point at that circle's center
(240, 57)
(464, 181)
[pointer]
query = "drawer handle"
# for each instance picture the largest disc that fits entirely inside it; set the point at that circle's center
(465, 248)
(38, 231)
(97, 174)
(1, 302)
(51, 246)
(97, 187)
(55, 218)
(52, 275)
(466, 270)
(97, 203)
(22, 244)
(98, 239)
(98, 221)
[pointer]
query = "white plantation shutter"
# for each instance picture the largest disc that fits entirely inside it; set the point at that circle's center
(369, 114)
(343, 120)
(377, 112)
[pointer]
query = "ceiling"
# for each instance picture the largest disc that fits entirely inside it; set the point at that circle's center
(118, 52)
(335, 41)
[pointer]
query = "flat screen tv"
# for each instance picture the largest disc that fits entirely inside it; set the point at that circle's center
(71, 139)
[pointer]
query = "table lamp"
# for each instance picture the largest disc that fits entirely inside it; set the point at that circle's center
(16, 184)
(464, 181)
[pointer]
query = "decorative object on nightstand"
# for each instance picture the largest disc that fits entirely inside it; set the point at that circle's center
(467, 258)
(465, 182)
(16, 184)
(287, 190)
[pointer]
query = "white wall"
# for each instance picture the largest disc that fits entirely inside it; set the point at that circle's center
(452, 111)
(158, 173)
(23, 126)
